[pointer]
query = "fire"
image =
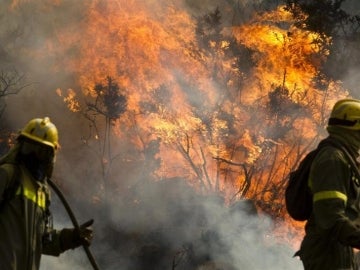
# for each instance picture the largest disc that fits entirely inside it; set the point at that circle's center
(152, 58)
(224, 129)
(286, 55)
(124, 42)
(70, 100)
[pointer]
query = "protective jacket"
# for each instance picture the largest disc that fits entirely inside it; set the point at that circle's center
(25, 220)
(333, 229)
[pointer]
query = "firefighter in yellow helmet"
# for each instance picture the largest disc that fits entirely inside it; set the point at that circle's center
(26, 229)
(333, 230)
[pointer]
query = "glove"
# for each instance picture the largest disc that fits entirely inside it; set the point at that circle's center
(73, 238)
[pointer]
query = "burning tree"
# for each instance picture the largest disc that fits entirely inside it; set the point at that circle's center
(108, 103)
(238, 102)
(228, 107)
(329, 19)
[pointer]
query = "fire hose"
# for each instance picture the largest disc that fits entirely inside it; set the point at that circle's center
(73, 220)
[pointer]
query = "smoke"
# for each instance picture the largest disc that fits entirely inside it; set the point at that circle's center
(171, 225)
(146, 225)
(352, 67)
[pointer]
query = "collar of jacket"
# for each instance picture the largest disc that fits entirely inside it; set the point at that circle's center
(349, 138)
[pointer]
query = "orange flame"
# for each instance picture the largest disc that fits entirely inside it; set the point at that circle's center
(152, 49)
(70, 100)
(144, 52)
(286, 55)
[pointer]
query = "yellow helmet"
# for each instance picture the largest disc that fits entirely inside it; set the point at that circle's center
(42, 131)
(346, 113)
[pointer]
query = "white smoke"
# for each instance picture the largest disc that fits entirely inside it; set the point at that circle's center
(201, 230)
(170, 223)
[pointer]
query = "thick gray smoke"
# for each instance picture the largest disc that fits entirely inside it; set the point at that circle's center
(172, 227)
(168, 226)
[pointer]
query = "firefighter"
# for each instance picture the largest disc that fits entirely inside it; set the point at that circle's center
(26, 229)
(333, 230)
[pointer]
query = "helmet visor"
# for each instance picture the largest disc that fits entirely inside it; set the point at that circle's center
(42, 152)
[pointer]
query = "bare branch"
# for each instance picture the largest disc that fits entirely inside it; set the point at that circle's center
(11, 83)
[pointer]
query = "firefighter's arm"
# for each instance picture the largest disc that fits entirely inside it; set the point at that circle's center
(68, 238)
(51, 243)
(330, 215)
(330, 185)
(75, 237)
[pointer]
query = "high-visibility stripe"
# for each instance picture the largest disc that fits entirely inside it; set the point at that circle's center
(29, 193)
(329, 194)
(41, 199)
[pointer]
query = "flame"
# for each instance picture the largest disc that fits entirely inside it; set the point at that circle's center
(144, 53)
(70, 99)
(286, 55)
(126, 43)
(207, 121)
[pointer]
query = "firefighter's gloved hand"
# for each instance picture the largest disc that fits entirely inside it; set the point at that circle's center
(73, 238)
